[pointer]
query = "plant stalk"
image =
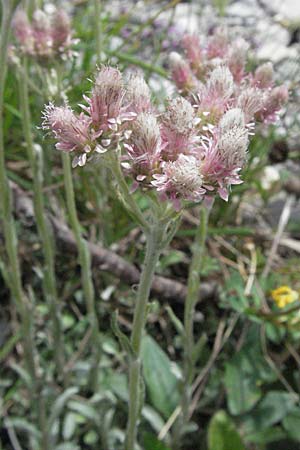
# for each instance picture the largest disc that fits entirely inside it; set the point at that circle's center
(126, 196)
(153, 249)
(98, 29)
(85, 264)
(49, 281)
(9, 227)
(10, 237)
(192, 298)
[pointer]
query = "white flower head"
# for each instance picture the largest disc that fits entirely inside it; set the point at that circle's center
(221, 82)
(232, 118)
(180, 116)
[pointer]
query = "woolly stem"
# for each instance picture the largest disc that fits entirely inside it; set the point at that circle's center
(192, 298)
(49, 282)
(10, 237)
(153, 250)
(86, 273)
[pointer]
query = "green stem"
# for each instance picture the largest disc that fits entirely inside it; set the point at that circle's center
(9, 230)
(42, 225)
(131, 59)
(155, 237)
(192, 298)
(126, 196)
(9, 227)
(194, 285)
(98, 29)
(85, 263)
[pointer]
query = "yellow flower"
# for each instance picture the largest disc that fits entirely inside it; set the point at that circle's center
(284, 295)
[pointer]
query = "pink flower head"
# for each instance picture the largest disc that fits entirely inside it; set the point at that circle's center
(213, 99)
(181, 73)
(220, 83)
(180, 180)
(72, 132)
(23, 31)
(233, 139)
(107, 97)
(191, 45)
(143, 146)
(41, 25)
(138, 94)
(47, 36)
(217, 44)
(237, 56)
(179, 133)
(61, 30)
(263, 77)
(274, 101)
(250, 101)
(224, 153)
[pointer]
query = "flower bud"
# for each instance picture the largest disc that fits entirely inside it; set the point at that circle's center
(71, 131)
(181, 73)
(220, 83)
(218, 44)
(237, 56)
(250, 101)
(107, 96)
(180, 179)
(193, 51)
(232, 118)
(145, 137)
(274, 101)
(233, 139)
(232, 145)
(263, 77)
(42, 34)
(23, 31)
(138, 94)
(178, 128)
(61, 29)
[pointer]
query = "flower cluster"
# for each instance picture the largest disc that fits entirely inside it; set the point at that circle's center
(213, 77)
(179, 153)
(45, 36)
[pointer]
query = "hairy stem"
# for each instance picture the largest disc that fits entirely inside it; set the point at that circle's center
(192, 298)
(86, 273)
(44, 230)
(9, 227)
(154, 247)
(125, 194)
(10, 237)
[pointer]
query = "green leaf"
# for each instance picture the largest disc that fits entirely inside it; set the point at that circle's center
(161, 383)
(174, 319)
(60, 403)
(23, 425)
(153, 418)
(84, 410)
(266, 436)
(244, 376)
(222, 434)
(123, 339)
(173, 257)
(69, 426)
(67, 446)
(291, 423)
(271, 410)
